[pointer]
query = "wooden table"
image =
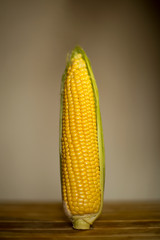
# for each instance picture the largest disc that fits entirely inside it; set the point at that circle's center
(121, 220)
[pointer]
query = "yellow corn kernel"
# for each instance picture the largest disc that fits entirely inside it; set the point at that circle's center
(80, 161)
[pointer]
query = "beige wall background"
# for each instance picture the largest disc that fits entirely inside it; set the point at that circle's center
(121, 39)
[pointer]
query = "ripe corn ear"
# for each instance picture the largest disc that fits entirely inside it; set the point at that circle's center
(81, 143)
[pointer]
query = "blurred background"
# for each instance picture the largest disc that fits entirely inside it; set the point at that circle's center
(121, 38)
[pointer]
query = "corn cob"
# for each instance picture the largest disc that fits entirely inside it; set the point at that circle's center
(81, 143)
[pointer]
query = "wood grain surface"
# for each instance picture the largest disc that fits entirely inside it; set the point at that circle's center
(119, 220)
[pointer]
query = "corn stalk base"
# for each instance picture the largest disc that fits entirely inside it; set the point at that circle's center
(80, 224)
